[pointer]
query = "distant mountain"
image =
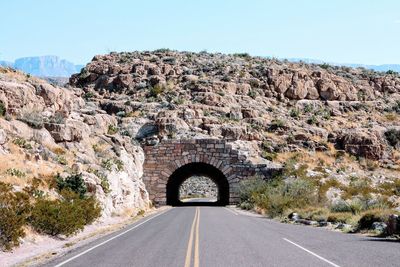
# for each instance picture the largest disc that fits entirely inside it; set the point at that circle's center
(6, 63)
(384, 67)
(44, 66)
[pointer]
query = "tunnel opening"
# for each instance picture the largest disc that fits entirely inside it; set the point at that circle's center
(198, 189)
(198, 169)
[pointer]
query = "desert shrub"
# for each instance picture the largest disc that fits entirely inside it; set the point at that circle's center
(64, 216)
(277, 196)
(2, 109)
(62, 160)
(105, 185)
(391, 116)
(74, 182)
(340, 217)
(308, 108)
(109, 163)
(112, 129)
(294, 113)
(325, 66)
(21, 142)
(14, 209)
(248, 189)
(325, 114)
(396, 107)
(33, 118)
(88, 95)
(314, 213)
(390, 188)
(357, 187)
(340, 206)
(252, 94)
(15, 172)
(57, 118)
(324, 186)
(371, 216)
(242, 55)
(269, 155)
(156, 90)
(393, 137)
(312, 120)
(391, 72)
(119, 164)
(277, 124)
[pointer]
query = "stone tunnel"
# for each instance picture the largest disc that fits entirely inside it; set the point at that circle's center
(168, 164)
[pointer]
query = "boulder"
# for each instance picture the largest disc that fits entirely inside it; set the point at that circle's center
(361, 143)
(71, 131)
(3, 137)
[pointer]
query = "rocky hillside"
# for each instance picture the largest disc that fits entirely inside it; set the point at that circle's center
(47, 130)
(198, 187)
(341, 122)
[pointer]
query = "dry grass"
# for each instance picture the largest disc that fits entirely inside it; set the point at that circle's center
(43, 170)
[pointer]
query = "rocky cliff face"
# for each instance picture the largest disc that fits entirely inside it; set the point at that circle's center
(47, 130)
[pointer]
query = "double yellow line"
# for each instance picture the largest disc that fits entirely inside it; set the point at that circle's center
(195, 233)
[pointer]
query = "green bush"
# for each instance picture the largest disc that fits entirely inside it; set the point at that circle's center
(74, 182)
(312, 120)
(277, 124)
(248, 189)
(294, 113)
(21, 142)
(112, 129)
(252, 94)
(64, 216)
(156, 90)
(396, 107)
(33, 118)
(109, 163)
(14, 209)
(15, 172)
(371, 216)
(277, 196)
(393, 137)
(88, 95)
(2, 109)
(340, 217)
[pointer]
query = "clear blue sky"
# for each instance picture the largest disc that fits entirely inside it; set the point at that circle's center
(354, 31)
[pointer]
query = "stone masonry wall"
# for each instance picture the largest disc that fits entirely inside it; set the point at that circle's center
(163, 159)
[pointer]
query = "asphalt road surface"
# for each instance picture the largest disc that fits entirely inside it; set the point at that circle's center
(219, 236)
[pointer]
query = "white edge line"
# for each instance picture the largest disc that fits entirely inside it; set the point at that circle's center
(108, 240)
(234, 212)
(312, 253)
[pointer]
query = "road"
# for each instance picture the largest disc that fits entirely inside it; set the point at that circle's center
(220, 236)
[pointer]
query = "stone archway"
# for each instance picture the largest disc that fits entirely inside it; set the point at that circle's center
(169, 158)
(200, 169)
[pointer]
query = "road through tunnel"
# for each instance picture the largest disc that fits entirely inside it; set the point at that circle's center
(169, 163)
(197, 169)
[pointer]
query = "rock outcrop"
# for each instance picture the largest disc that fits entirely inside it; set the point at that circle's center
(55, 126)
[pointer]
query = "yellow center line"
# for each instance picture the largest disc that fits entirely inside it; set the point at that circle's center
(196, 245)
(190, 243)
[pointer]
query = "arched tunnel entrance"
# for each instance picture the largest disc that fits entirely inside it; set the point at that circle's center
(197, 169)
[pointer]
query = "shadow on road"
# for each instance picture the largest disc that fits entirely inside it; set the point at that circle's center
(382, 239)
